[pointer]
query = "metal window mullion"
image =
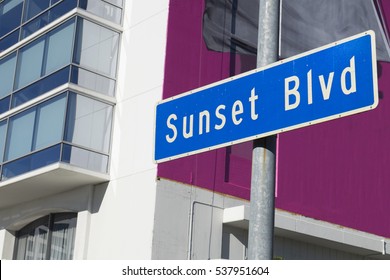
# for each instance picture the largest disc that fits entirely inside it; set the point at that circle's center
(49, 236)
(36, 123)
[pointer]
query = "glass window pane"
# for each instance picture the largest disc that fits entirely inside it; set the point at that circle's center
(20, 133)
(116, 2)
(40, 87)
(88, 123)
(84, 158)
(7, 72)
(97, 48)
(62, 241)
(32, 240)
(31, 162)
(57, 229)
(102, 9)
(34, 25)
(59, 49)
(34, 7)
(3, 130)
(4, 104)
(30, 55)
(9, 40)
(93, 81)
(10, 15)
(50, 122)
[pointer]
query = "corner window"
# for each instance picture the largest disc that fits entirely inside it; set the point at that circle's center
(48, 238)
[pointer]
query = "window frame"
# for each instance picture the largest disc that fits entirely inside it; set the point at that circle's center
(48, 220)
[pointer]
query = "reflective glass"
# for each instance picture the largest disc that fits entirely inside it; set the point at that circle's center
(34, 7)
(88, 123)
(56, 231)
(3, 131)
(32, 240)
(4, 104)
(47, 17)
(28, 56)
(50, 122)
(59, 47)
(10, 15)
(40, 87)
(62, 238)
(20, 134)
(96, 48)
(31, 162)
(116, 2)
(84, 158)
(7, 72)
(9, 40)
(34, 25)
(102, 9)
(93, 81)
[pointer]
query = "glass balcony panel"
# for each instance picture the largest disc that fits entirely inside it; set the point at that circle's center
(40, 87)
(4, 104)
(84, 158)
(34, 25)
(47, 17)
(9, 40)
(31, 162)
(119, 3)
(102, 9)
(93, 81)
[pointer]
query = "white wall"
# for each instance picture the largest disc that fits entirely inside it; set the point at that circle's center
(122, 226)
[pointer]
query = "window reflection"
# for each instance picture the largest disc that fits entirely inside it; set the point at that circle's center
(10, 15)
(69, 127)
(7, 72)
(51, 53)
(55, 232)
(97, 48)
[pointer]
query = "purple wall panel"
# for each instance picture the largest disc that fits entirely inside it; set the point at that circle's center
(190, 65)
(337, 171)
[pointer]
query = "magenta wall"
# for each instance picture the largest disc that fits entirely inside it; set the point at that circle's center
(337, 171)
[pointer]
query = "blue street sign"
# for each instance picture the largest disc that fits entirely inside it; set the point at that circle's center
(323, 84)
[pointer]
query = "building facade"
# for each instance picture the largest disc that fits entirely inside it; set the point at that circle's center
(79, 81)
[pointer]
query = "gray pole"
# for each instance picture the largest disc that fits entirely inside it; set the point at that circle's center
(262, 202)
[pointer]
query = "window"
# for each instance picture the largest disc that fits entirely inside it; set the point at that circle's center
(46, 63)
(103, 9)
(34, 7)
(10, 15)
(38, 127)
(88, 123)
(48, 238)
(7, 72)
(31, 55)
(69, 128)
(97, 48)
(47, 54)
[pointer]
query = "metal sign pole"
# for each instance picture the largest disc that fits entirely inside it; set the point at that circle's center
(262, 202)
